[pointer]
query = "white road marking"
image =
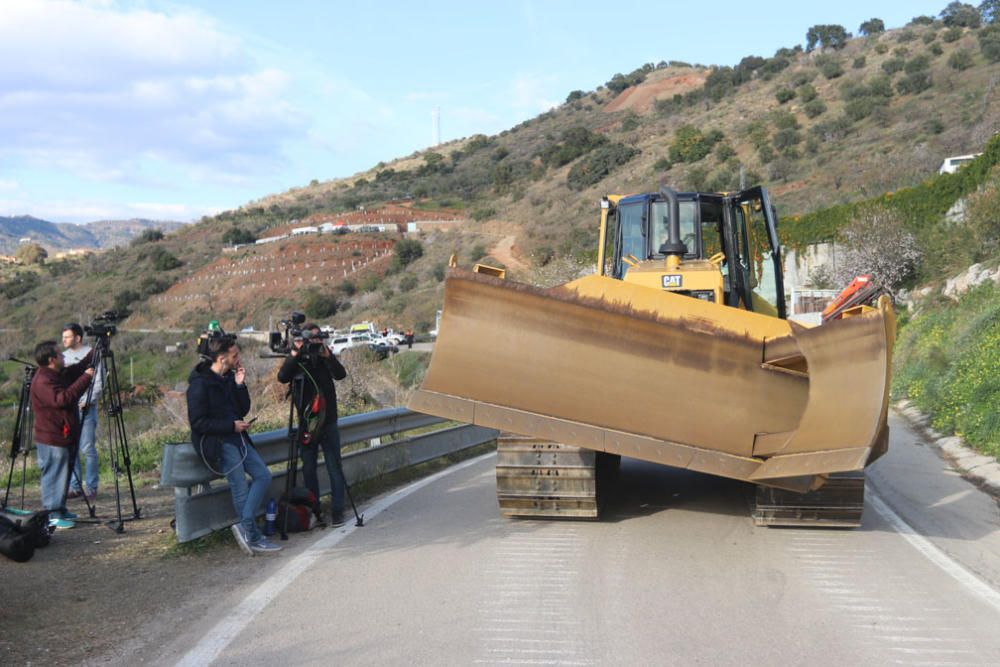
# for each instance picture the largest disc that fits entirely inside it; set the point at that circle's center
(224, 632)
(971, 582)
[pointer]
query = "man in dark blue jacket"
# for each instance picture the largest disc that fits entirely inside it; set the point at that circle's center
(218, 400)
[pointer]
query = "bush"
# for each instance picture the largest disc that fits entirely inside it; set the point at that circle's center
(784, 120)
(724, 150)
(31, 253)
(237, 236)
(831, 69)
(576, 141)
(164, 261)
(22, 283)
(989, 42)
(814, 108)
(893, 65)
(934, 126)
(859, 62)
(320, 304)
(935, 49)
(406, 251)
(806, 92)
(574, 95)
(630, 122)
(407, 282)
(878, 244)
(147, 236)
(917, 64)
(689, 145)
(484, 213)
(347, 288)
(663, 164)
(914, 83)
(786, 138)
(960, 60)
(784, 95)
(598, 165)
(881, 48)
(952, 34)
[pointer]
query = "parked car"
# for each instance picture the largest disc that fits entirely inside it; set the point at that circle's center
(383, 350)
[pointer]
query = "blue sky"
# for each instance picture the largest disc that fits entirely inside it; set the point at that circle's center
(174, 110)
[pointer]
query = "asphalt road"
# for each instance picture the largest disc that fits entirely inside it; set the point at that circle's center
(675, 573)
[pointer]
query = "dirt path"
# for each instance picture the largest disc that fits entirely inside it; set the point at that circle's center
(504, 252)
(93, 592)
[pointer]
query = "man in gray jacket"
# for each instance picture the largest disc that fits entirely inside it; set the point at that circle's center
(76, 350)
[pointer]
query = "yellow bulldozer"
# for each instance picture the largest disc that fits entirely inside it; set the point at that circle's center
(676, 351)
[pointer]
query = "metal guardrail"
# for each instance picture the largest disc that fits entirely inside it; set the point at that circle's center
(202, 506)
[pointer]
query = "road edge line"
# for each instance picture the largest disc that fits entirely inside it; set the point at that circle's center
(934, 554)
(215, 641)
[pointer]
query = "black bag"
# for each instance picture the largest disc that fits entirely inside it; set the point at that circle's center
(300, 508)
(19, 538)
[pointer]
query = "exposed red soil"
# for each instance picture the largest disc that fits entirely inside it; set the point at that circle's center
(640, 98)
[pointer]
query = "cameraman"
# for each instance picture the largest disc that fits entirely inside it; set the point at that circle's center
(75, 350)
(217, 401)
(55, 391)
(318, 367)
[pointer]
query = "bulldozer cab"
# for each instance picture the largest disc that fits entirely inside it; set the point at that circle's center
(730, 254)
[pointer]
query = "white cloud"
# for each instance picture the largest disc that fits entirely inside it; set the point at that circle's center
(99, 90)
(88, 210)
(7, 185)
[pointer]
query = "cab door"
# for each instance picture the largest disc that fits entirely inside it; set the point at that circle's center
(754, 233)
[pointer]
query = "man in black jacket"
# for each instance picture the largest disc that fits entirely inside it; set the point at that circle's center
(317, 414)
(217, 402)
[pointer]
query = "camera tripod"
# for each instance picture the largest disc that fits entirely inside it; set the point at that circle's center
(295, 411)
(117, 439)
(23, 423)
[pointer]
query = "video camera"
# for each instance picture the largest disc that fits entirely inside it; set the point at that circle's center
(212, 333)
(282, 342)
(103, 326)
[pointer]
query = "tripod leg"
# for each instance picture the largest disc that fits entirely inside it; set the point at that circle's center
(359, 519)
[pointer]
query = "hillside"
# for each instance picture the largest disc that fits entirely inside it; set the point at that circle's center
(842, 121)
(54, 236)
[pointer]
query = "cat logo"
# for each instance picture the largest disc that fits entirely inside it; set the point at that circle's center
(672, 281)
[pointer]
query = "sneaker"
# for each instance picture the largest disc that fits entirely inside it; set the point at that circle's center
(74, 494)
(337, 519)
(263, 545)
(69, 516)
(57, 522)
(241, 539)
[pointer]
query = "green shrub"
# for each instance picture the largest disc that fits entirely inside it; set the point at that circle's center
(914, 83)
(630, 122)
(724, 150)
(663, 164)
(576, 141)
(952, 34)
(881, 48)
(806, 92)
(893, 65)
(945, 363)
(784, 120)
(407, 282)
(960, 60)
(814, 108)
(483, 213)
(917, 64)
(689, 145)
(831, 68)
(598, 165)
(406, 251)
(989, 42)
(803, 77)
(859, 62)
(784, 95)
(935, 49)
(786, 138)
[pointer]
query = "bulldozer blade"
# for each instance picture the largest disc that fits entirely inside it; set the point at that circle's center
(614, 367)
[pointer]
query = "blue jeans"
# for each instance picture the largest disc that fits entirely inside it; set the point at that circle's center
(329, 441)
(87, 452)
(246, 501)
(54, 464)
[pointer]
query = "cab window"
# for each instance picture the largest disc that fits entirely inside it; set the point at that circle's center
(630, 217)
(660, 226)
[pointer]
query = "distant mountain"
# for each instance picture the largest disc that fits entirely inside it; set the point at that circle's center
(56, 236)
